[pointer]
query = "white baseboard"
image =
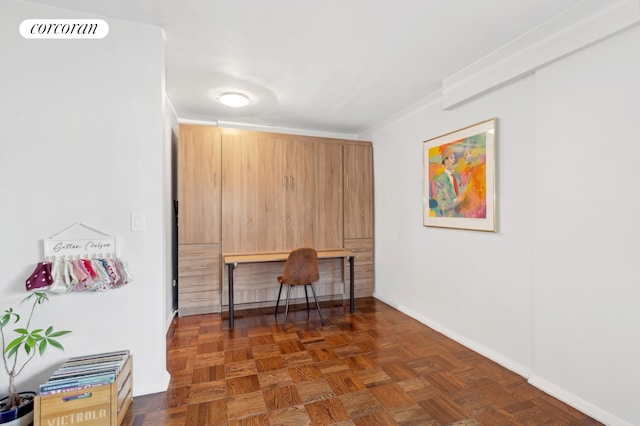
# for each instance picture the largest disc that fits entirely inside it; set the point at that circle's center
(547, 387)
(577, 403)
(471, 344)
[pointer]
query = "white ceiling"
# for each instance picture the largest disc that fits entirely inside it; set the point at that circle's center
(336, 66)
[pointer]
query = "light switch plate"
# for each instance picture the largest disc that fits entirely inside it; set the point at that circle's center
(138, 222)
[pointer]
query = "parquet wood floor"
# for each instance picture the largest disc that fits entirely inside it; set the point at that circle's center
(374, 367)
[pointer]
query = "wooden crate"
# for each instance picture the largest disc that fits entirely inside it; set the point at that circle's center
(104, 405)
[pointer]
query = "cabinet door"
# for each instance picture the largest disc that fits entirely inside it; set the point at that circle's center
(270, 195)
(362, 249)
(198, 185)
(253, 193)
(313, 193)
(199, 279)
(301, 198)
(328, 214)
(358, 191)
(238, 203)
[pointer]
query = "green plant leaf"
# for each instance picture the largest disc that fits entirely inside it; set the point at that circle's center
(6, 318)
(42, 347)
(56, 344)
(14, 346)
(31, 341)
(58, 333)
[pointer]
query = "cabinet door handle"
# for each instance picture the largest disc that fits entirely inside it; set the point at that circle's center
(286, 183)
(293, 183)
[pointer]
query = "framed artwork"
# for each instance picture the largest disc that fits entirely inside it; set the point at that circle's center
(460, 178)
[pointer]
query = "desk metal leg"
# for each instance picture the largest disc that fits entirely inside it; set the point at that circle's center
(351, 284)
(231, 267)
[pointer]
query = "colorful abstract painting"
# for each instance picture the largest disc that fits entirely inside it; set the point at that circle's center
(459, 178)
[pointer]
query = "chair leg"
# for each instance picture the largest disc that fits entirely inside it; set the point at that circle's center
(317, 304)
(286, 309)
(278, 302)
(307, 297)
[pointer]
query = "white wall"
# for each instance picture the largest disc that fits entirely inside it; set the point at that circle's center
(83, 140)
(554, 293)
(460, 279)
(587, 228)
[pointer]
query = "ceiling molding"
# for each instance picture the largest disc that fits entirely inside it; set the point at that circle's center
(286, 130)
(198, 122)
(584, 24)
(268, 129)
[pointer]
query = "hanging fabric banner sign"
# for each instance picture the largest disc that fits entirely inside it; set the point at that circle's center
(80, 247)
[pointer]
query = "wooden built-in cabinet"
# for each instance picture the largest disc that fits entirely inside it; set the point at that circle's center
(358, 213)
(269, 192)
(199, 191)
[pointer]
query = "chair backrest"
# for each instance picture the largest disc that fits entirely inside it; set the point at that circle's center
(301, 267)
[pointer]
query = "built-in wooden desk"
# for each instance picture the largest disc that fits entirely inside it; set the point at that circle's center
(232, 260)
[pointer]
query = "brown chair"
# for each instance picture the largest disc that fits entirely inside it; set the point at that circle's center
(301, 268)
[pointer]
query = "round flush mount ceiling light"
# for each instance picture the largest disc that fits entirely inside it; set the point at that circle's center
(234, 100)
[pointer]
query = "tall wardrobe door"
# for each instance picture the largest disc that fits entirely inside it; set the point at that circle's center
(358, 191)
(199, 185)
(253, 193)
(270, 195)
(328, 212)
(300, 194)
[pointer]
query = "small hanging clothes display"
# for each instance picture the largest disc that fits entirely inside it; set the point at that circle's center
(86, 261)
(64, 276)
